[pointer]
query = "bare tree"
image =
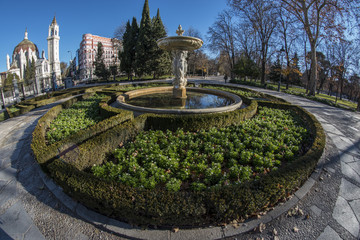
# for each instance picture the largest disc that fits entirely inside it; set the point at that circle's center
(288, 34)
(193, 56)
(343, 55)
(317, 17)
(246, 37)
(263, 18)
(120, 30)
(222, 38)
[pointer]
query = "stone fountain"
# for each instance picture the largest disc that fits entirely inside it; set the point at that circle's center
(180, 45)
(178, 99)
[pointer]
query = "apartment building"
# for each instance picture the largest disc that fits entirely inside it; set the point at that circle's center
(87, 54)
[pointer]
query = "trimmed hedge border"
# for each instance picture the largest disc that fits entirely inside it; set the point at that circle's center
(160, 207)
(30, 104)
(267, 96)
(45, 153)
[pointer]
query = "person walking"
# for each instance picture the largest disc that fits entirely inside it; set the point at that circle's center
(225, 77)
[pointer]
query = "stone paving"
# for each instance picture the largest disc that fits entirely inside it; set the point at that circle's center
(27, 207)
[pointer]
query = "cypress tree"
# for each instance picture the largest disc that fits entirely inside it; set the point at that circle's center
(144, 46)
(124, 55)
(32, 69)
(161, 62)
(132, 46)
(27, 75)
(127, 57)
(100, 68)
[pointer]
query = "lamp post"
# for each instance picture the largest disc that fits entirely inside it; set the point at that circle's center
(281, 60)
(70, 63)
(70, 55)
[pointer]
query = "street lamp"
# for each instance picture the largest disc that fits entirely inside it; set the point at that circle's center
(70, 55)
(281, 60)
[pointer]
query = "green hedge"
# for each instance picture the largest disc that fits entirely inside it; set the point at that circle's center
(29, 104)
(262, 95)
(45, 153)
(160, 207)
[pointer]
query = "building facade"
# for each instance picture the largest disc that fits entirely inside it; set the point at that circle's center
(53, 49)
(26, 52)
(87, 54)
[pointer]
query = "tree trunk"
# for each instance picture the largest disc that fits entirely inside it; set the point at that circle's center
(314, 71)
(263, 66)
(341, 87)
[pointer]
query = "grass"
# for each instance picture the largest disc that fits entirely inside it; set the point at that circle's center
(2, 117)
(330, 100)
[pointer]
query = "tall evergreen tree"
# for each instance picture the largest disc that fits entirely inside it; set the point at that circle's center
(27, 75)
(124, 55)
(161, 62)
(144, 46)
(275, 71)
(32, 69)
(127, 56)
(100, 68)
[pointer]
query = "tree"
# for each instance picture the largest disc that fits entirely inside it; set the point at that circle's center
(222, 38)
(27, 72)
(119, 31)
(145, 46)
(8, 82)
(275, 71)
(294, 75)
(100, 68)
(63, 69)
(193, 56)
(343, 55)
(160, 62)
(127, 56)
(246, 67)
(317, 17)
(323, 69)
(287, 32)
(261, 15)
(32, 69)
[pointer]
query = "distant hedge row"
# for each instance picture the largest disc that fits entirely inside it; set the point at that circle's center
(29, 104)
(69, 168)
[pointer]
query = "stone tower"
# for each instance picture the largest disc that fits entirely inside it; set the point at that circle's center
(53, 49)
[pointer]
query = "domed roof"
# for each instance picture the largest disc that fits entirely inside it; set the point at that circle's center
(25, 45)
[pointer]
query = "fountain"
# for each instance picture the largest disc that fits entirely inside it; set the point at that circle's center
(180, 45)
(176, 99)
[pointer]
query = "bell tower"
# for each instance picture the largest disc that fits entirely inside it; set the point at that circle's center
(53, 49)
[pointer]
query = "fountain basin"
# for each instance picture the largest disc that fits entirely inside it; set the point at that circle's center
(233, 101)
(183, 43)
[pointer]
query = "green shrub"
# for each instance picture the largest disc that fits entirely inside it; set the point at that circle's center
(214, 157)
(199, 206)
(80, 115)
(45, 152)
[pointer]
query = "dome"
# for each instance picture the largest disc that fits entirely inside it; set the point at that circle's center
(25, 45)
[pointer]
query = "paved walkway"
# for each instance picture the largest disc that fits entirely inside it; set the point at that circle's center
(330, 210)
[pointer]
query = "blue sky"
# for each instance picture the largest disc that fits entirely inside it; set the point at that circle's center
(76, 18)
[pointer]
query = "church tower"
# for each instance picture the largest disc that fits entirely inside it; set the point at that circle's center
(53, 49)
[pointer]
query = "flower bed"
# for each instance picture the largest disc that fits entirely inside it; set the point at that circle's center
(166, 204)
(198, 160)
(80, 115)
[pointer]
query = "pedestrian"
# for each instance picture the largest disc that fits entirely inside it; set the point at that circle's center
(225, 77)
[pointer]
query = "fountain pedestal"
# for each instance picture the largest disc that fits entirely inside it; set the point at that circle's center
(179, 45)
(179, 92)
